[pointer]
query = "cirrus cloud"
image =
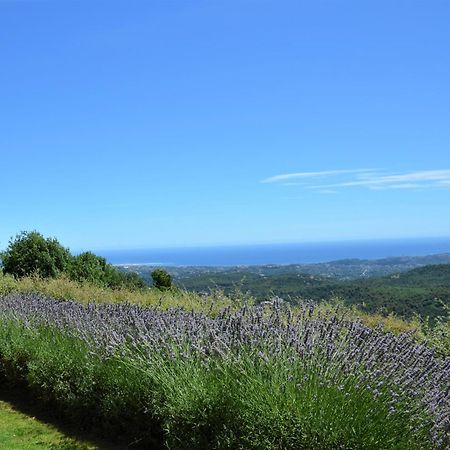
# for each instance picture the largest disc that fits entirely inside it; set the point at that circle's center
(373, 179)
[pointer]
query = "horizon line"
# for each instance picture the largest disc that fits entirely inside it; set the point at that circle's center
(267, 244)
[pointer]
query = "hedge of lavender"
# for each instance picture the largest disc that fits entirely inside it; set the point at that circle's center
(262, 377)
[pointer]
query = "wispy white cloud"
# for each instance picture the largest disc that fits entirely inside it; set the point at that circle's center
(381, 187)
(424, 175)
(333, 180)
(306, 175)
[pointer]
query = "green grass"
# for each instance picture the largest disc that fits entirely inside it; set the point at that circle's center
(19, 431)
(64, 289)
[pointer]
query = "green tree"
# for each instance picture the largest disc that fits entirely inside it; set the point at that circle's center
(30, 253)
(161, 279)
(133, 281)
(88, 267)
(116, 279)
(92, 268)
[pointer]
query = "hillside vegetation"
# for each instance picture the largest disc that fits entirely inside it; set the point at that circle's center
(30, 253)
(167, 368)
(423, 291)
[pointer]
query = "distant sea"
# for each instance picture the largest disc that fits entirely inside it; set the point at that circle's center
(296, 253)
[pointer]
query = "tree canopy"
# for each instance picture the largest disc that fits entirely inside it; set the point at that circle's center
(30, 253)
(161, 279)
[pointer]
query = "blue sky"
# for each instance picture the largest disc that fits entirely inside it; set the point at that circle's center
(181, 123)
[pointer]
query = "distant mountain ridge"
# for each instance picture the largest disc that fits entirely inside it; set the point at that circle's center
(343, 269)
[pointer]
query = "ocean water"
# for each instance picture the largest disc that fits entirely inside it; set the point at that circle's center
(295, 253)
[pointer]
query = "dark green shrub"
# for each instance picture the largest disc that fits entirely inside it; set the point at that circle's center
(30, 253)
(92, 268)
(161, 279)
(133, 281)
(88, 267)
(116, 279)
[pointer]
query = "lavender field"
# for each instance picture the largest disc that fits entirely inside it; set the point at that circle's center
(265, 377)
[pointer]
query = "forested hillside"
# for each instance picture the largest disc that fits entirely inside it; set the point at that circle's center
(423, 291)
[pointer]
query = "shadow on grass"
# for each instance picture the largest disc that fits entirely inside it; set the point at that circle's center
(21, 400)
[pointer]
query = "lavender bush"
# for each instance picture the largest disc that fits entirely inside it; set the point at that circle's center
(259, 377)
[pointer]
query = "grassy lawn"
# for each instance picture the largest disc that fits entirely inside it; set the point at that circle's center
(20, 431)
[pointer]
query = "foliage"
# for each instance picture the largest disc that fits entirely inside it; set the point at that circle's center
(88, 267)
(116, 279)
(424, 291)
(161, 279)
(437, 335)
(255, 378)
(63, 288)
(29, 253)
